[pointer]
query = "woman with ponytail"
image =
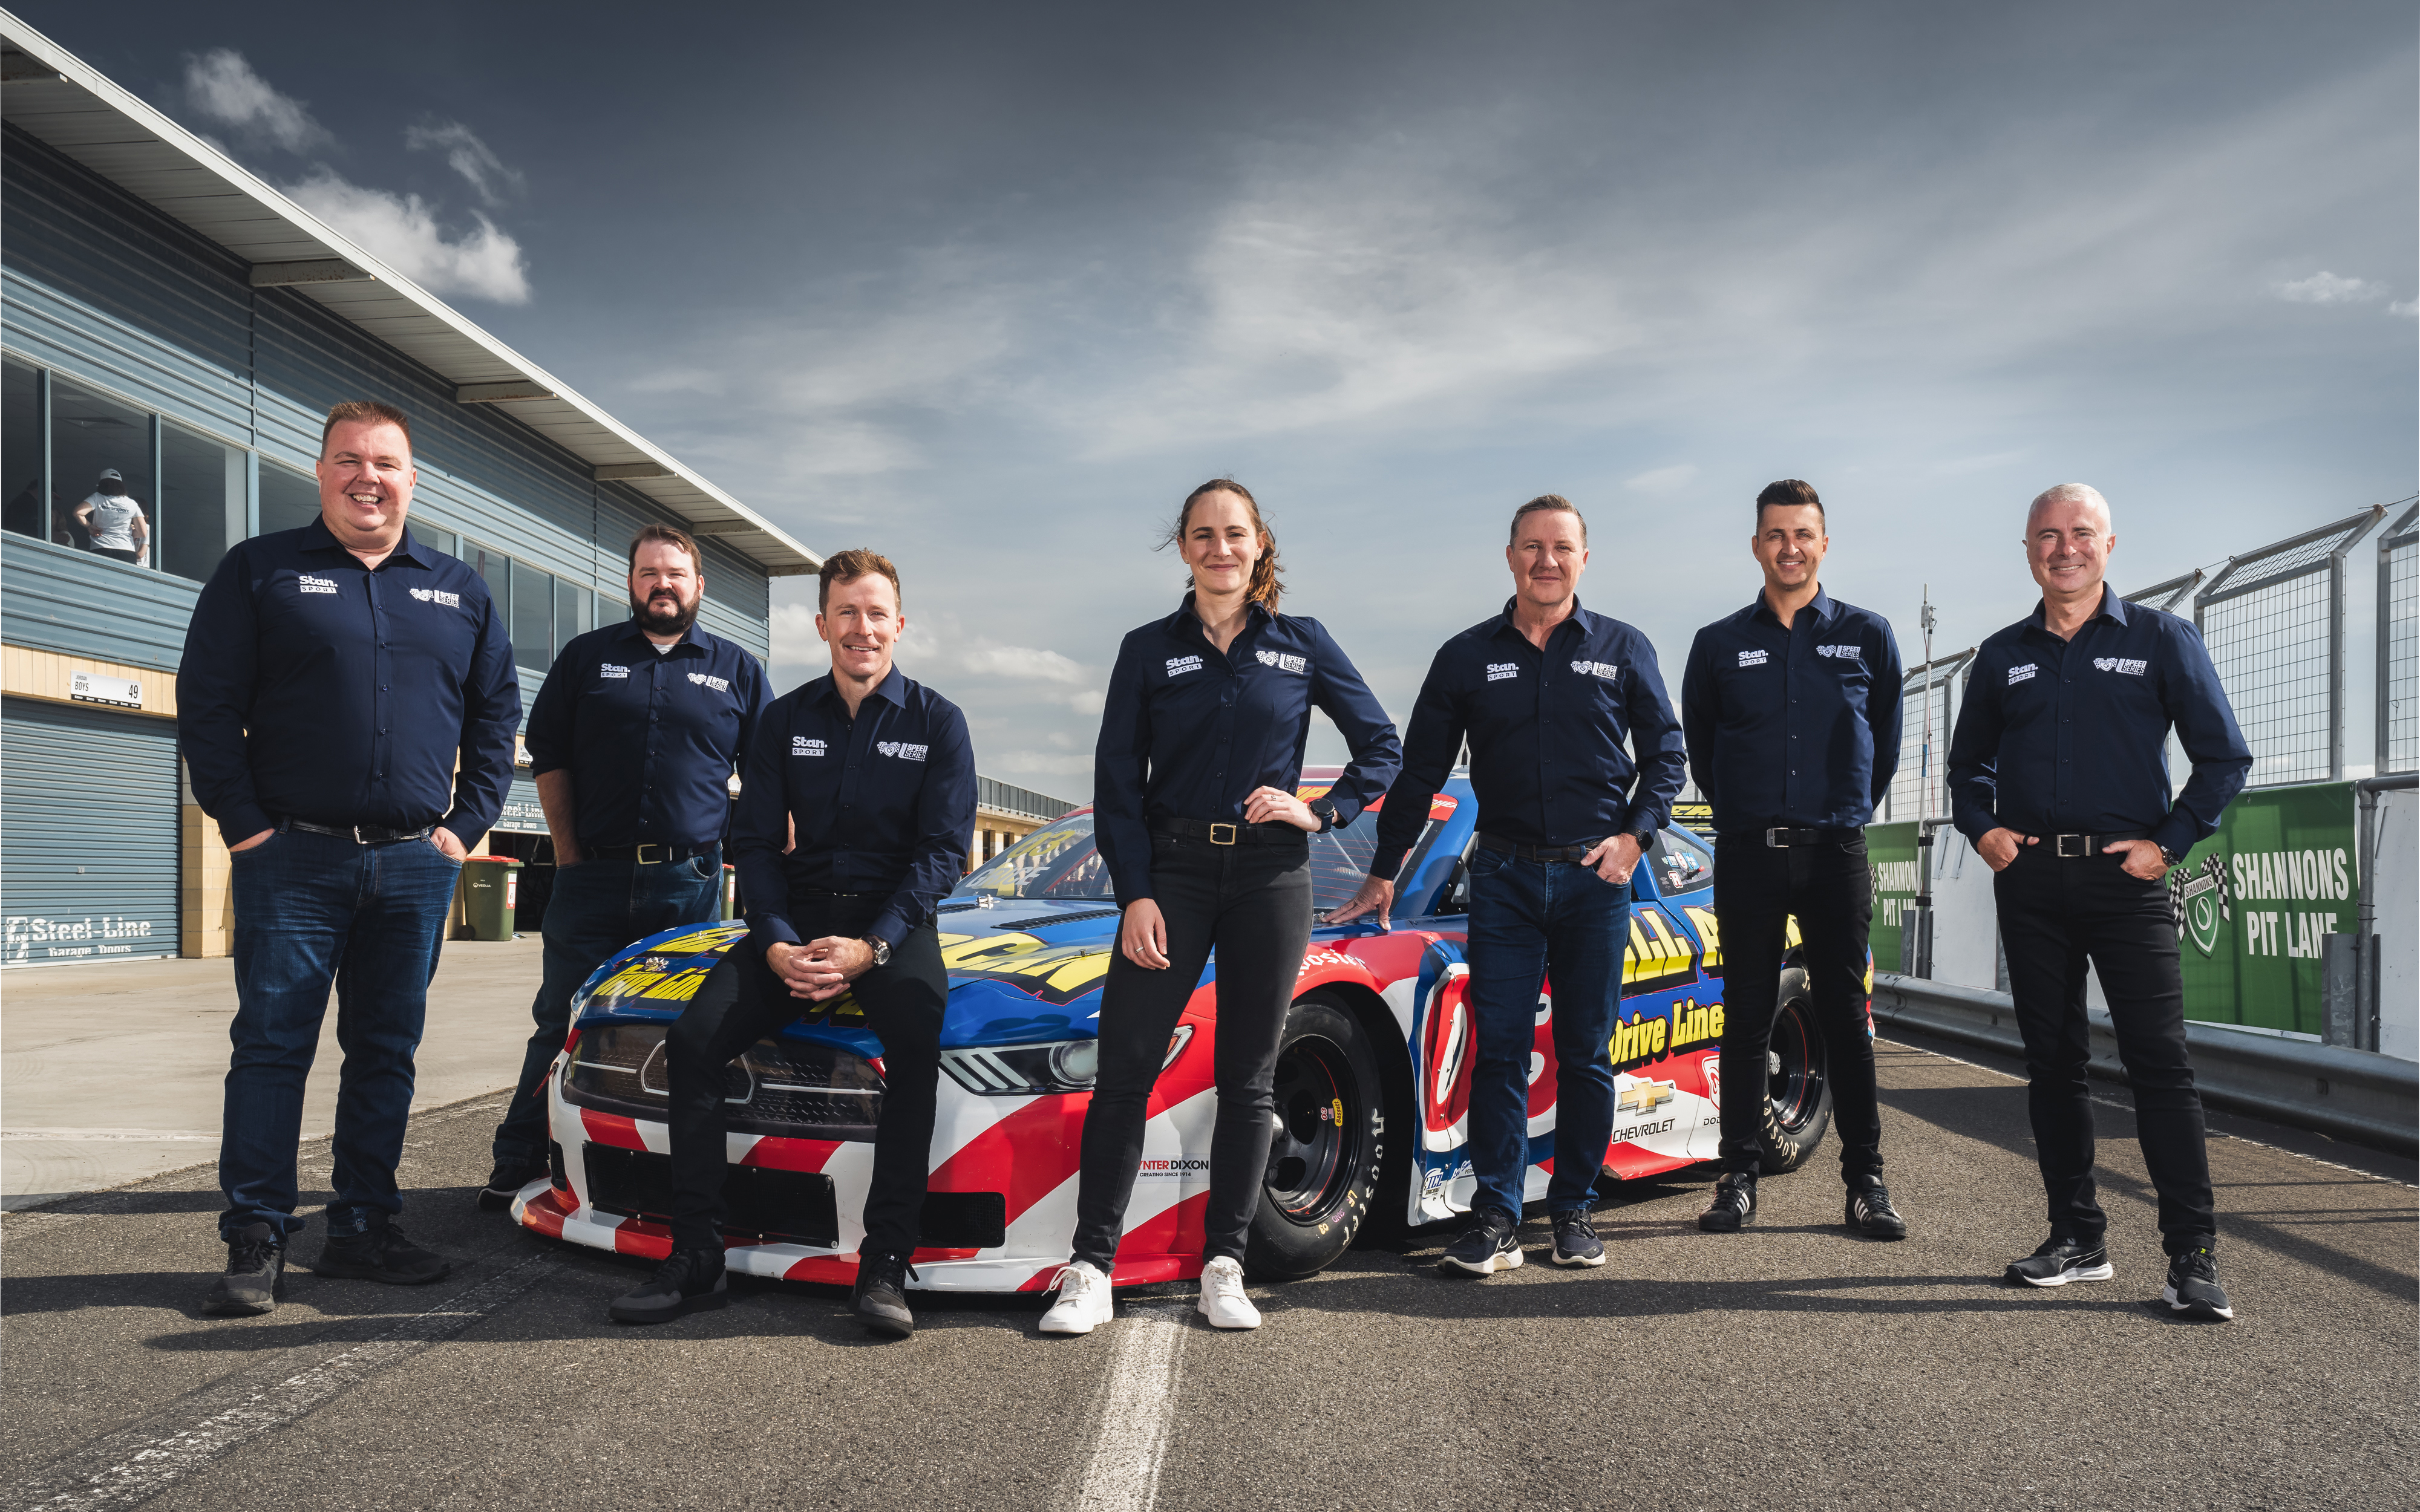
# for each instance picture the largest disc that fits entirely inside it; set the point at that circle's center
(1206, 846)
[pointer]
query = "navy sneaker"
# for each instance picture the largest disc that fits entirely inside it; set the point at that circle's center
(2192, 1289)
(255, 1273)
(689, 1281)
(2060, 1261)
(1491, 1244)
(1869, 1210)
(1575, 1240)
(1734, 1203)
(381, 1252)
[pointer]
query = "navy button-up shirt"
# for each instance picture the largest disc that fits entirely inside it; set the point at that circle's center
(1797, 726)
(1545, 730)
(650, 738)
(2065, 737)
(884, 803)
(314, 688)
(1189, 733)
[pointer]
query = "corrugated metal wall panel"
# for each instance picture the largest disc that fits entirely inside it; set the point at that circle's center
(87, 833)
(55, 598)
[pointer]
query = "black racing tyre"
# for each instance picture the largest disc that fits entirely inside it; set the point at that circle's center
(1327, 1142)
(1798, 1087)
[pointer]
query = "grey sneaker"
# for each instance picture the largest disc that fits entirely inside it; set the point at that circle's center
(255, 1273)
(381, 1252)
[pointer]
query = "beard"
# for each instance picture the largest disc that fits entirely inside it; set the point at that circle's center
(661, 621)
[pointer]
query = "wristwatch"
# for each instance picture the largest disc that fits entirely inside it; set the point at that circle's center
(881, 949)
(1324, 811)
(2167, 856)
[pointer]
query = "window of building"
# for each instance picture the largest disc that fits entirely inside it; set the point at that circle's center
(533, 619)
(20, 451)
(102, 493)
(201, 501)
(573, 605)
(288, 500)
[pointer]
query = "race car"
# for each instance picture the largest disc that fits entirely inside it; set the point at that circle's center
(1373, 1077)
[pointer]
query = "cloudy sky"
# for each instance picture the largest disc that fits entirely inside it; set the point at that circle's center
(990, 287)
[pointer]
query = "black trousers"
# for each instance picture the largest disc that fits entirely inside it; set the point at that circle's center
(742, 1001)
(1252, 902)
(2055, 914)
(1757, 888)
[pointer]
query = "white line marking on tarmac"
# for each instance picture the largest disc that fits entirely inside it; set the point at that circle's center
(1138, 1409)
(132, 1467)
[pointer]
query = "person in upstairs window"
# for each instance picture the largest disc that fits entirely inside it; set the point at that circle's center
(112, 522)
(1208, 847)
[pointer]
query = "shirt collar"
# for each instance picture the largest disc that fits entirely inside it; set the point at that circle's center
(317, 537)
(1821, 606)
(2112, 607)
(1255, 614)
(1579, 616)
(628, 631)
(894, 687)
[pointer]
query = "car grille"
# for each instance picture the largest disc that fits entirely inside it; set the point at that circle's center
(782, 1205)
(775, 1087)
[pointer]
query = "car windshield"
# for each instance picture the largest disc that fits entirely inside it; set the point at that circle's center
(1058, 862)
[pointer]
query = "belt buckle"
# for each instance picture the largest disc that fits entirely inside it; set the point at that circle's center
(357, 836)
(646, 847)
(1778, 838)
(2083, 845)
(1231, 831)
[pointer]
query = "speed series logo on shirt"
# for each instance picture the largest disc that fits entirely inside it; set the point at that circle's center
(901, 750)
(2127, 664)
(1605, 670)
(1179, 666)
(431, 595)
(721, 684)
(1498, 671)
(801, 745)
(1283, 662)
(1839, 653)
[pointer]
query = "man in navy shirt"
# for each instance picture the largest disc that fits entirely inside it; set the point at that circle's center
(333, 680)
(1790, 707)
(2059, 774)
(634, 737)
(1546, 693)
(878, 777)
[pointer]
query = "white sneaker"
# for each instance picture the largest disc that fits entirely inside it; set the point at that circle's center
(1083, 1302)
(1222, 1296)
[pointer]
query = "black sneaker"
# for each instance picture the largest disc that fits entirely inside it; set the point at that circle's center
(1491, 1244)
(1575, 1240)
(2060, 1261)
(379, 1253)
(689, 1281)
(1869, 1210)
(506, 1182)
(255, 1273)
(881, 1297)
(1734, 1203)
(2192, 1287)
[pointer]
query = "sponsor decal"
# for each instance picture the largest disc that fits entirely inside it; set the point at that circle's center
(1053, 973)
(1183, 1168)
(2129, 666)
(606, 671)
(1498, 671)
(1643, 1098)
(1608, 670)
(2022, 674)
(901, 750)
(721, 684)
(1841, 653)
(801, 745)
(1753, 659)
(431, 595)
(1283, 662)
(2199, 901)
(1658, 956)
(1179, 666)
(1652, 1034)
(314, 585)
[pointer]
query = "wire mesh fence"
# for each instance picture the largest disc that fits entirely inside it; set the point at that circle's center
(2398, 645)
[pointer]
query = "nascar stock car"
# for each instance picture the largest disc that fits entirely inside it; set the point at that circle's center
(1372, 1081)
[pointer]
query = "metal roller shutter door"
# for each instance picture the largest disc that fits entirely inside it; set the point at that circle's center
(87, 833)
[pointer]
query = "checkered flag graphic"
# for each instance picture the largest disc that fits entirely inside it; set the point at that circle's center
(2220, 882)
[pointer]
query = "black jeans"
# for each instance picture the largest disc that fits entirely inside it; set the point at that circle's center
(742, 1001)
(2056, 914)
(1253, 903)
(1757, 888)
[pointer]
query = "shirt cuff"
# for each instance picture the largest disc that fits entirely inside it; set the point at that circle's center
(768, 930)
(890, 928)
(2173, 837)
(244, 823)
(1384, 864)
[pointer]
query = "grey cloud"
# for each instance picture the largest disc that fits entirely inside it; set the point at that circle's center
(221, 87)
(469, 157)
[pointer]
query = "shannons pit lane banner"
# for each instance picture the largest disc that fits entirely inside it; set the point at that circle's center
(1890, 852)
(2254, 902)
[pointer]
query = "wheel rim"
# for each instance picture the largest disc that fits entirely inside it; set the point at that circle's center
(1315, 1137)
(1793, 1076)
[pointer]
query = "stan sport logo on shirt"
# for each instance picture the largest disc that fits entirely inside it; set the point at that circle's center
(431, 595)
(1753, 659)
(902, 750)
(1283, 662)
(1498, 671)
(801, 745)
(309, 584)
(2021, 674)
(1179, 666)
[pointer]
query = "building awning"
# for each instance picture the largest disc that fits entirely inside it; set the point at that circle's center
(54, 95)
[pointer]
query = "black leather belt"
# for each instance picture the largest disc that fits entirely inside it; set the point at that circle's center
(647, 855)
(1782, 837)
(1574, 854)
(359, 834)
(1226, 834)
(2073, 846)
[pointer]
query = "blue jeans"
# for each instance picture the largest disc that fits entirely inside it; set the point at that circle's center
(596, 908)
(1533, 921)
(312, 911)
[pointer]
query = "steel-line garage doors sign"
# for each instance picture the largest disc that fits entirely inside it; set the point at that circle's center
(2255, 902)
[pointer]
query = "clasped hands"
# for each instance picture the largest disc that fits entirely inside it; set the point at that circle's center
(820, 969)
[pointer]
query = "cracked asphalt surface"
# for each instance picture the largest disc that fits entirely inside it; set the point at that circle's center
(1791, 1364)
